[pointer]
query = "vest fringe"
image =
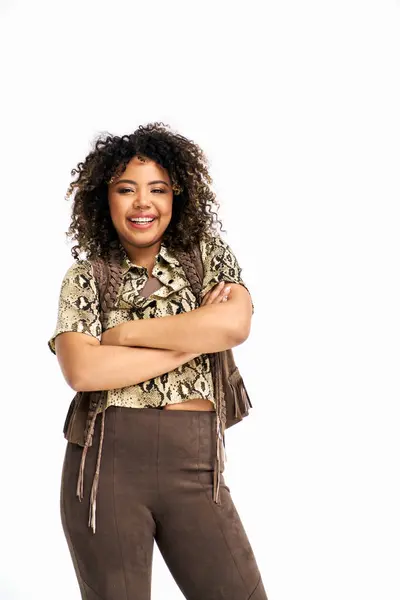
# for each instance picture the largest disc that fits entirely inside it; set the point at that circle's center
(220, 430)
(217, 481)
(89, 436)
(88, 440)
(95, 484)
(218, 468)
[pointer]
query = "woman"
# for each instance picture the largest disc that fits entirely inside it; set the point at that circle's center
(148, 196)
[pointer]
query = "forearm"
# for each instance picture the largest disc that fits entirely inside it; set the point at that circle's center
(112, 367)
(206, 329)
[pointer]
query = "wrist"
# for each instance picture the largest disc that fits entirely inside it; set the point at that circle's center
(122, 339)
(191, 355)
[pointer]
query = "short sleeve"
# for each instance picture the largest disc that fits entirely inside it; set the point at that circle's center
(220, 264)
(78, 305)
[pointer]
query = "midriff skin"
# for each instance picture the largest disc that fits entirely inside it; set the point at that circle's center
(194, 404)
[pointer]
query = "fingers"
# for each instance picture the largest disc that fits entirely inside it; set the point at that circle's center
(226, 291)
(218, 293)
(213, 294)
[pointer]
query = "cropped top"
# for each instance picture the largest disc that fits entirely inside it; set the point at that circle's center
(79, 310)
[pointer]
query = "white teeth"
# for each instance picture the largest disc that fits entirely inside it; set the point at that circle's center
(141, 220)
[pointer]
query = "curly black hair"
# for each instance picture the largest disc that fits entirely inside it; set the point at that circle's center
(192, 215)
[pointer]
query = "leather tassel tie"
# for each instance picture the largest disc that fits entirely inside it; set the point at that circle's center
(220, 457)
(95, 484)
(219, 463)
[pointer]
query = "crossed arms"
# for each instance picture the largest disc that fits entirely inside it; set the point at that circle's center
(209, 328)
(139, 350)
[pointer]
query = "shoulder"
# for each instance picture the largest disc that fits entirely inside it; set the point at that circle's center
(213, 244)
(79, 275)
(80, 267)
(215, 249)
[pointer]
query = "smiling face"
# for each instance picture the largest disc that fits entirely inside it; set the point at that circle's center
(143, 189)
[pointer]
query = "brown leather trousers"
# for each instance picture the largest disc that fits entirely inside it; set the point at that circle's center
(156, 484)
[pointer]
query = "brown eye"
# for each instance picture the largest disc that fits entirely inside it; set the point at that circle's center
(125, 190)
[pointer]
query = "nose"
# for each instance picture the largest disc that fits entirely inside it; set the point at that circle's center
(142, 199)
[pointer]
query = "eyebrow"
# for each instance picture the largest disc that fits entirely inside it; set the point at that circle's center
(135, 182)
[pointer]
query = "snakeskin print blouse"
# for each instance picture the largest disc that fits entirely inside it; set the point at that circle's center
(79, 310)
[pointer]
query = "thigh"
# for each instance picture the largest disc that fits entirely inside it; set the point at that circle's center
(207, 549)
(115, 562)
(204, 544)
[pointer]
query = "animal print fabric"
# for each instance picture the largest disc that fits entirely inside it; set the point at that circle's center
(79, 310)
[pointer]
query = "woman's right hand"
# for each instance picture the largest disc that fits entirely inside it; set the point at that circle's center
(219, 293)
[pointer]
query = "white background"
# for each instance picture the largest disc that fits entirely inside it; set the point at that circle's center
(296, 104)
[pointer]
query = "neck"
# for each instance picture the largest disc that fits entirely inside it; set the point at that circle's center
(143, 256)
